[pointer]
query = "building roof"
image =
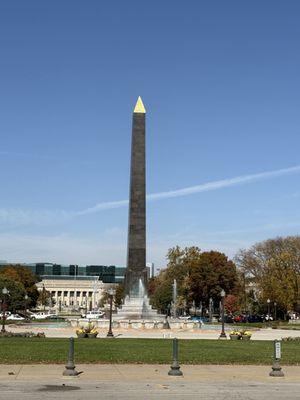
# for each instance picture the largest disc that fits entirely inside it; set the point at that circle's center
(70, 277)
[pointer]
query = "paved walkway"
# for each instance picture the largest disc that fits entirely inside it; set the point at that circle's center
(146, 372)
(147, 382)
(261, 334)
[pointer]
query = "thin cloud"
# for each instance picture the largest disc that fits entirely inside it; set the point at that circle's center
(103, 206)
(205, 187)
(16, 217)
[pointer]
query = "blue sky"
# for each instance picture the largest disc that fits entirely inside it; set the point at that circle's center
(220, 82)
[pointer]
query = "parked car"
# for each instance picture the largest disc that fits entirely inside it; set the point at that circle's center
(268, 317)
(41, 315)
(7, 314)
(240, 318)
(55, 316)
(228, 319)
(185, 317)
(200, 319)
(94, 314)
(15, 317)
(255, 318)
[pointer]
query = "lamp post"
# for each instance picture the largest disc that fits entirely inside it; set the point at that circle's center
(5, 292)
(275, 311)
(268, 301)
(210, 309)
(26, 299)
(222, 334)
(44, 297)
(169, 310)
(174, 296)
(111, 292)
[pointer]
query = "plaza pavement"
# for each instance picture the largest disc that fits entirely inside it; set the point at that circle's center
(260, 334)
(131, 382)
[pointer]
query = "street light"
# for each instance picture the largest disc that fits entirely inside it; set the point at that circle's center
(44, 297)
(222, 334)
(26, 299)
(210, 309)
(111, 292)
(174, 296)
(269, 301)
(5, 292)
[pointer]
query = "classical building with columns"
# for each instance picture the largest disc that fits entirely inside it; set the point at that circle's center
(69, 293)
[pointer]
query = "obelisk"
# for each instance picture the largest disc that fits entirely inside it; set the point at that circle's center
(136, 271)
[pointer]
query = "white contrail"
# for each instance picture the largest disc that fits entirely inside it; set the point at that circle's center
(103, 206)
(205, 187)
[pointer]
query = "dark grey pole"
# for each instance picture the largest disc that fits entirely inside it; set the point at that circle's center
(110, 333)
(70, 367)
(3, 316)
(223, 334)
(210, 309)
(276, 368)
(269, 320)
(175, 367)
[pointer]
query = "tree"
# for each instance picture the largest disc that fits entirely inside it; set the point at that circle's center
(212, 273)
(15, 300)
(119, 295)
(199, 276)
(160, 287)
(44, 298)
(272, 267)
(231, 304)
(24, 276)
(161, 298)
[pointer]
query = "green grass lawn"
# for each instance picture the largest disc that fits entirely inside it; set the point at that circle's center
(147, 351)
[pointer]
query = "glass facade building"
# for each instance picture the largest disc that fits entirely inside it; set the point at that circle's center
(105, 273)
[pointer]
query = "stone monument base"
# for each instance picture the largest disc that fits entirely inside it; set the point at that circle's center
(135, 324)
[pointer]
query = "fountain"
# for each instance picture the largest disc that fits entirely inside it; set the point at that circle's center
(137, 306)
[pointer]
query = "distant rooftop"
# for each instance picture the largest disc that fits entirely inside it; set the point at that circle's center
(71, 277)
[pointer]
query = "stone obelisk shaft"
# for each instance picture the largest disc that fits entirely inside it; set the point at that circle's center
(136, 251)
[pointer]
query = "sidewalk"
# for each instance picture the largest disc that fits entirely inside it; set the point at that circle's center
(147, 382)
(262, 334)
(146, 373)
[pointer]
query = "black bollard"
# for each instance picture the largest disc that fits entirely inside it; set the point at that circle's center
(70, 367)
(276, 368)
(175, 367)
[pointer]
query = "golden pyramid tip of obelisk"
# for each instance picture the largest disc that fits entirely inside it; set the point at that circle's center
(139, 107)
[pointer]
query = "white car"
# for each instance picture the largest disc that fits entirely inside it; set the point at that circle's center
(185, 318)
(15, 317)
(94, 314)
(40, 315)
